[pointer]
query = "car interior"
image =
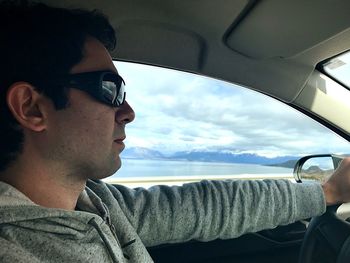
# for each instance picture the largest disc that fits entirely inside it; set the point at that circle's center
(274, 47)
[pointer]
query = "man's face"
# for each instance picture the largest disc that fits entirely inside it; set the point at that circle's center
(88, 135)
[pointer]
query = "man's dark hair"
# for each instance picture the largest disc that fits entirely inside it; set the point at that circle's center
(37, 44)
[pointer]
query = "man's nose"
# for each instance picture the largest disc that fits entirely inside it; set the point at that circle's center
(124, 114)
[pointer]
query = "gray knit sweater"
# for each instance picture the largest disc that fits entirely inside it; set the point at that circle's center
(115, 223)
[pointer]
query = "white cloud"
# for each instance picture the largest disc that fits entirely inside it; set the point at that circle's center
(180, 111)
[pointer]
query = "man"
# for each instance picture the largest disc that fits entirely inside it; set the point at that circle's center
(62, 126)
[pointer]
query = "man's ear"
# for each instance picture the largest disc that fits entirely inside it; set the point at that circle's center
(25, 103)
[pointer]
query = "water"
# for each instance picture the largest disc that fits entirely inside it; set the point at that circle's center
(145, 168)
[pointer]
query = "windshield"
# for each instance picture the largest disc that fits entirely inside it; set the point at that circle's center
(339, 68)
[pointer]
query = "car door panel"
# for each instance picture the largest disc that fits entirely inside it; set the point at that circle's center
(281, 243)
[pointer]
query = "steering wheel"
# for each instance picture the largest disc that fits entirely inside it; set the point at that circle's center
(327, 239)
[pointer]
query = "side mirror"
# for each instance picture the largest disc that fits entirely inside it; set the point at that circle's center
(316, 167)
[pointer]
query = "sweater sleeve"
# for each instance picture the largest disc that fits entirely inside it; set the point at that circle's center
(216, 209)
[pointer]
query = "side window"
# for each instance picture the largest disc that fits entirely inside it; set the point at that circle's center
(189, 127)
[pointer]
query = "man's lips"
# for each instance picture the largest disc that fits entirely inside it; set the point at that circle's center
(119, 140)
(119, 143)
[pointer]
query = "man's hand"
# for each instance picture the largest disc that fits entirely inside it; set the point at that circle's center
(337, 187)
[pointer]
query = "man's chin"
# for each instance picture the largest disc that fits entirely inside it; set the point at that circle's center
(116, 166)
(105, 173)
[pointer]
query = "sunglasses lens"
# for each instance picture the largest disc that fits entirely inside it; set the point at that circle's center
(109, 90)
(113, 89)
(121, 94)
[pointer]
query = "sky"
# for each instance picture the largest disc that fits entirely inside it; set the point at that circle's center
(177, 111)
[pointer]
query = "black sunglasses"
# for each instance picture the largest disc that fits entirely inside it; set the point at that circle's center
(105, 86)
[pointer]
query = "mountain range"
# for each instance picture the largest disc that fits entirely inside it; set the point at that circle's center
(209, 156)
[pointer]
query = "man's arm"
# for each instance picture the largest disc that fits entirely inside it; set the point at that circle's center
(213, 209)
(223, 209)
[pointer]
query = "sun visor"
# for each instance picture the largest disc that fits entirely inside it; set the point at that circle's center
(157, 43)
(271, 30)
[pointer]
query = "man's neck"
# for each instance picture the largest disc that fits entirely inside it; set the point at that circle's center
(43, 187)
